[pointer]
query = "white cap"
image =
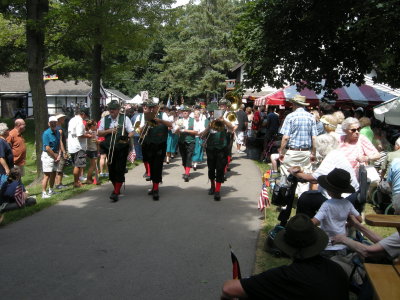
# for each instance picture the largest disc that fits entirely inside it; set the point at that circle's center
(60, 116)
(53, 119)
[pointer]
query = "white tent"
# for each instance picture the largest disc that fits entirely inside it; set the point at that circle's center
(388, 112)
(135, 100)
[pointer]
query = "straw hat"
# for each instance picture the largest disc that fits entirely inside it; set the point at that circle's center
(299, 100)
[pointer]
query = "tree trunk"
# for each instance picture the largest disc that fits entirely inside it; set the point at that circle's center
(35, 28)
(96, 82)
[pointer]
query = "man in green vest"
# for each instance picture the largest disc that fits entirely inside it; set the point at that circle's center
(154, 144)
(117, 130)
(215, 137)
(186, 141)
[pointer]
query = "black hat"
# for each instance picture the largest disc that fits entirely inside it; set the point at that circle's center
(301, 239)
(113, 105)
(85, 111)
(338, 180)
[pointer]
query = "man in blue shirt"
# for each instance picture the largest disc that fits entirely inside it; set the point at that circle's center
(50, 156)
(394, 181)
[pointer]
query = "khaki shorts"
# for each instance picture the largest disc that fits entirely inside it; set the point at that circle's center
(48, 163)
(61, 165)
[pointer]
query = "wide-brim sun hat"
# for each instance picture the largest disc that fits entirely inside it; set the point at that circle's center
(326, 122)
(337, 181)
(301, 239)
(299, 100)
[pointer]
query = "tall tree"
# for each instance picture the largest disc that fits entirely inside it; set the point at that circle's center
(198, 60)
(303, 42)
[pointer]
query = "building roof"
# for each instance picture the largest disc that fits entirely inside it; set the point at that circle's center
(17, 82)
(118, 94)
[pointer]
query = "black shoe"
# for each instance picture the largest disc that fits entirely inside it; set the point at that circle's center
(186, 177)
(114, 197)
(225, 178)
(228, 169)
(217, 196)
(211, 191)
(155, 195)
(150, 192)
(147, 178)
(194, 168)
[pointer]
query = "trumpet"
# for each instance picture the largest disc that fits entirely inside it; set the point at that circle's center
(149, 124)
(122, 139)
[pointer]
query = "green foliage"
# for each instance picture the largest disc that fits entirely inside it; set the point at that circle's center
(303, 42)
(199, 58)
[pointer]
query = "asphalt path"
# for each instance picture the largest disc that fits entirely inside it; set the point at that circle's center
(137, 248)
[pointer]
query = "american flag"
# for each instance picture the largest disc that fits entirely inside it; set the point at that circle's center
(19, 196)
(263, 201)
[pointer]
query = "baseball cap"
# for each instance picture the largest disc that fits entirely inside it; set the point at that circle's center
(53, 119)
(60, 116)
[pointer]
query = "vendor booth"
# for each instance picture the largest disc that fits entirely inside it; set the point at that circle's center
(363, 95)
(388, 112)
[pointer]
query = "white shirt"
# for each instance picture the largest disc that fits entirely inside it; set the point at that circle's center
(333, 215)
(75, 130)
(335, 159)
(199, 126)
(114, 123)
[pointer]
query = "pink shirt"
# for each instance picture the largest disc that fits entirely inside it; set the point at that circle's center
(363, 147)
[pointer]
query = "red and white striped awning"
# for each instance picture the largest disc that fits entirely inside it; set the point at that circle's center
(364, 95)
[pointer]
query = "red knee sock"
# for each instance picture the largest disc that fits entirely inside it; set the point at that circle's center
(117, 187)
(147, 166)
(187, 170)
(155, 186)
(217, 186)
(227, 165)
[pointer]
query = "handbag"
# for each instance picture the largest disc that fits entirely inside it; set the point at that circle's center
(131, 156)
(280, 192)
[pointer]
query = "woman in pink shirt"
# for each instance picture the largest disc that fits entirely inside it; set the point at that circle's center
(357, 148)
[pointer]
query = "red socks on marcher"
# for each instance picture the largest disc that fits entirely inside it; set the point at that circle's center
(227, 165)
(155, 186)
(117, 187)
(147, 167)
(217, 187)
(187, 170)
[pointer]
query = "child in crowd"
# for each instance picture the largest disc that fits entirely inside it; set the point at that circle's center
(92, 150)
(333, 213)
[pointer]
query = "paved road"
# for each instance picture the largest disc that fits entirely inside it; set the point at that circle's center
(137, 248)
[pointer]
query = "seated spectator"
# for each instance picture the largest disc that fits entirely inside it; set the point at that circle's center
(366, 130)
(6, 155)
(330, 123)
(310, 276)
(390, 157)
(332, 157)
(334, 212)
(13, 194)
(394, 181)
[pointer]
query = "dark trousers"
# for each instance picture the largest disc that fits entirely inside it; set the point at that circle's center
(13, 205)
(138, 148)
(216, 162)
(156, 154)
(119, 157)
(186, 150)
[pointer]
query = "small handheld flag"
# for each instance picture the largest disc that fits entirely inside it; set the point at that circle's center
(19, 196)
(235, 266)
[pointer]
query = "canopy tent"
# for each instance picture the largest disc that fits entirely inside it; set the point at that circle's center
(388, 112)
(363, 95)
(135, 100)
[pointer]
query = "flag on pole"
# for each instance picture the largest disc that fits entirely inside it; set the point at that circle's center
(235, 266)
(19, 196)
(169, 102)
(263, 200)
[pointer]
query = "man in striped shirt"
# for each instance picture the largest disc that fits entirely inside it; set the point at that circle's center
(299, 131)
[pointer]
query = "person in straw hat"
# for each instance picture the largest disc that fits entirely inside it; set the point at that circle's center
(299, 131)
(310, 276)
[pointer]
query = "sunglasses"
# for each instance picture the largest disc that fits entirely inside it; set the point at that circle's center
(355, 129)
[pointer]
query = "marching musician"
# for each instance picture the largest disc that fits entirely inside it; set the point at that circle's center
(186, 142)
(215, 139)
(199, 126)
(154, 135)
(223, 105)
(117, 129)
(172, 141)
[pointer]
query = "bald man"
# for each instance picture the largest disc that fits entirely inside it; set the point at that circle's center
(17, 143)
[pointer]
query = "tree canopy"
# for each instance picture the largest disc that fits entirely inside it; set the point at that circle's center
(304, 42)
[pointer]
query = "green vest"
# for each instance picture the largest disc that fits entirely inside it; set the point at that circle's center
(157, 134)
(217, 140)
(186, 137)
(107, 123)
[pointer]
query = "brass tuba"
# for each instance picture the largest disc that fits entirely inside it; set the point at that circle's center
(234, 98)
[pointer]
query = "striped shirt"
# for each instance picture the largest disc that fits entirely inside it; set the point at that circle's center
(300, 127)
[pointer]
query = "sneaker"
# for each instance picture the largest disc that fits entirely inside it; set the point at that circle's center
(51, 192)
(82, 178)
(45, 195)
(61, 186)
